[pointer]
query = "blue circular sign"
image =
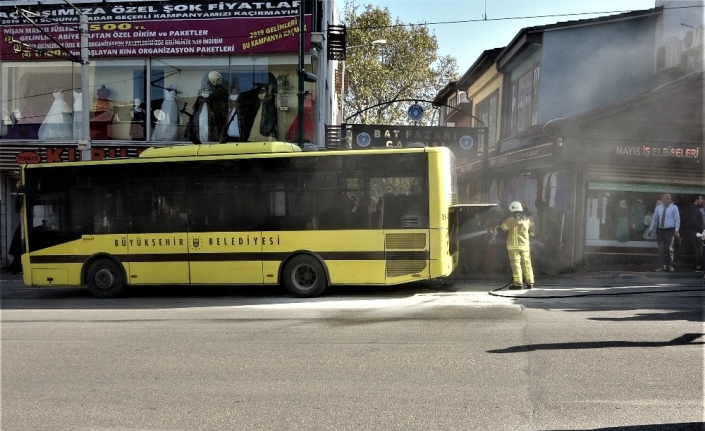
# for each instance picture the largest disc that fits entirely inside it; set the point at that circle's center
(363, 139)
(415, 112)
(466, 142)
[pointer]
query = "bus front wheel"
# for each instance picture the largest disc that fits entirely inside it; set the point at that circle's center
(105, 279)
(304, 277)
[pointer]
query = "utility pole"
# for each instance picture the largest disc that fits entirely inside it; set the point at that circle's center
(300, 93)
(303, 77)
(84, 142)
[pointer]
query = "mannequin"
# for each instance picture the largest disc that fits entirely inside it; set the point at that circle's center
(77, 115)
(166, 128)
(197, 127)
(201, 116)
(55, 125)
(103, 115)
(137, 119)
(638, 211)
(268, 124)
(232, 126)
(622, 215)
(256, 134)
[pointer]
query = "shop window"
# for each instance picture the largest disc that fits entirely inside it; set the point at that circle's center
(118, 110)
(225, 100)
(619, 214)
(486, 116)
(524, 101)
(38, 101)
(44, 101)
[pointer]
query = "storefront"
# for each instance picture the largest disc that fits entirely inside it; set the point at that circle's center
(627, 155)
(535, 176)
(159, 73)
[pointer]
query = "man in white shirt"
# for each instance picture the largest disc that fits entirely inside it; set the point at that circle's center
(666, 222)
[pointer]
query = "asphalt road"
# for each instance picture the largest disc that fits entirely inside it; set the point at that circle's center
(420, 357)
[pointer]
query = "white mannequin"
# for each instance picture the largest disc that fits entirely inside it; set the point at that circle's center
(55, 126)
(77, 114)
(167, 128)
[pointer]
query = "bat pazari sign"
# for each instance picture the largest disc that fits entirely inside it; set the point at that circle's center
(463, 141)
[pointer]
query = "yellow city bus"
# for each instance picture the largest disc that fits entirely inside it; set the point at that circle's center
(242, 213)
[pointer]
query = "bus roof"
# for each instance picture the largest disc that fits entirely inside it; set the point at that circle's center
(227, 150)
(220, 149)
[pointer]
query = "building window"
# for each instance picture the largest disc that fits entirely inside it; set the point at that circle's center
(524, 101)
(486, 116)
(451, 103)
(196, 99)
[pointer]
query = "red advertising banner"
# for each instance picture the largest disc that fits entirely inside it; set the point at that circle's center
(156, 38)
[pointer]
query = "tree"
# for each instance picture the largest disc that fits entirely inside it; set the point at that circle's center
(406, 67)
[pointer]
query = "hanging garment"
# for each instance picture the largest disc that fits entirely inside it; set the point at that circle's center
(202, 120)
(197, 126)
(268, 124)
(493, 196)
(622, 215)
(58, 123)
(309, 133)
(553, 184)
(603, 208)
(592, 230)
(563, 196)
(622, 232)
(546, 194)
(138, 117)
(102, 120)
(233, 126)
(77, 115)
(638, 212)
(167, 128)
(256, 134)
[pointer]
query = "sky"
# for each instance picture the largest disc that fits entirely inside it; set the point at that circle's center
(462, 32)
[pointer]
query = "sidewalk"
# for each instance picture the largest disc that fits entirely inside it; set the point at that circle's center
(615, 271)
(606, 280)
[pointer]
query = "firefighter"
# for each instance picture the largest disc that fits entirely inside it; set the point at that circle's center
(519, 230)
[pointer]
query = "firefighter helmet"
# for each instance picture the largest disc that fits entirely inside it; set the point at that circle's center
(516, 207)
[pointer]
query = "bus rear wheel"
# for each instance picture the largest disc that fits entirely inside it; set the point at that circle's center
(304, 277)
(105, 279)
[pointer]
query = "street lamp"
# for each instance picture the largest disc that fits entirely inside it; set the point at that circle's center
(342, 75)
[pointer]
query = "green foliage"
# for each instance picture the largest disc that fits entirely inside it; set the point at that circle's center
(406, 67)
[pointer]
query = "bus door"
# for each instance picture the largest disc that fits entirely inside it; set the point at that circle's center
(225, 257)
(159, 254)
(225, 241)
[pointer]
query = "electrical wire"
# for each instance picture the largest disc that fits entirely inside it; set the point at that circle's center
(509, 18)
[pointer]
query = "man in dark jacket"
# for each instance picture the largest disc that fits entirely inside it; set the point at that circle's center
(691, 224)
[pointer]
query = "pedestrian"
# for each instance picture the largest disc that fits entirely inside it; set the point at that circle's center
(701, 237)
(700, 203)
(519, 231)
(666, 222)
(691, 224)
